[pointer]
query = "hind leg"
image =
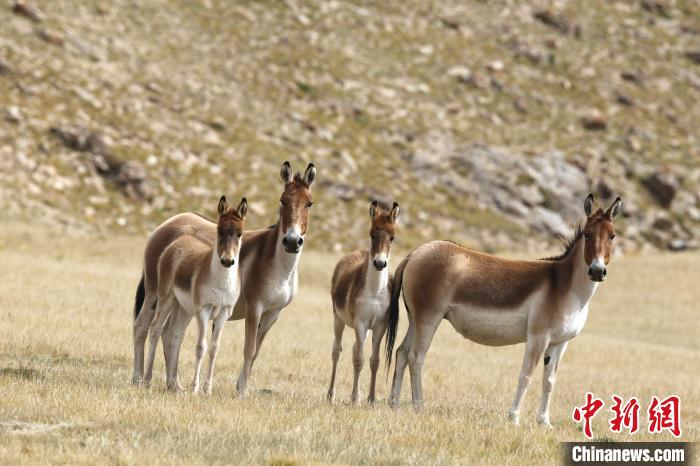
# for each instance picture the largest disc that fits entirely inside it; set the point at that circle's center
(141, 326)
(338, 328)
(401, 361)
(163, 309)
(425, 330)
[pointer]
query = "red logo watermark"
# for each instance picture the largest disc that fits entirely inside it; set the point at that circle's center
(661, 415)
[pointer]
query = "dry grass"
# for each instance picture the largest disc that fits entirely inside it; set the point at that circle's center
(65, 370)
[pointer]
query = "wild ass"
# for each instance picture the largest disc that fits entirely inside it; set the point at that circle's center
(360, 291)
(203, 280)
(495, 301)
(268, 267)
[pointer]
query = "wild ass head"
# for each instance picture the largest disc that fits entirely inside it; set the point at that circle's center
(599, 234)
(229, 229)
(382, 233)
(295, 203)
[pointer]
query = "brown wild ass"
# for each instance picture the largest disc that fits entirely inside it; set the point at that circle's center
(360, 291)
(268, 267)
(495, 301)
(202, 280)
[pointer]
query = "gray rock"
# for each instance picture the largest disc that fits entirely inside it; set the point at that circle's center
(663, 186)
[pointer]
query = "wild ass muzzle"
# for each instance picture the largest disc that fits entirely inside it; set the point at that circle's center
(361, 287)
(268, 267)
(202, 280)
(496, 301)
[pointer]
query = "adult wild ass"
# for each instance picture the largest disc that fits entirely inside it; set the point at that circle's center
(268, 267)
(202, 280)
(495, 301)
(360, 291)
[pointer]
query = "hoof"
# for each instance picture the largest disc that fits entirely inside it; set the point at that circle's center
(393, 403)
(514, 418)
(195, 388)
(544, 423)
(136, 380)
(206, 389)
(174, 387)
(330, 396)
(355, 400)
(370, 400)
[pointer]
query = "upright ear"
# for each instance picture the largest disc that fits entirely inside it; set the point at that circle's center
(394, 213)
(286, 173)
(614, 209)
(223, 206)
(373, 209)
(589, 205)
(242, 209)
(310, 175)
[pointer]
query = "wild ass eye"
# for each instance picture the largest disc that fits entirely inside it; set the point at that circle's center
(391, 238)
(309, 204)
(283, 202)
(612, 237)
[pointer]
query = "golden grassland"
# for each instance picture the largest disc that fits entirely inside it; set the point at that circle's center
(66, 357)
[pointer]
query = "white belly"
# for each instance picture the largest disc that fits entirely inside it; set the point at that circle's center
(370, 309)
(493, 327)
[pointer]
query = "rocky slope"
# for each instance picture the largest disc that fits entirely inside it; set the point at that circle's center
(487, 121)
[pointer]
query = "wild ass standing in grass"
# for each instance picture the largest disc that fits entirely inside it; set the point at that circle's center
(203, 280)
(495, 301)
(268, 265)
(360, 291)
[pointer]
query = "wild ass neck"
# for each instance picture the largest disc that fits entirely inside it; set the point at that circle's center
(284, 263)
(376, 280)
(219, 273)
(582, 287)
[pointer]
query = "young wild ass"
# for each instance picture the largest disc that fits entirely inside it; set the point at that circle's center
(202, 280)
(495, 301)
(268, 267)
(360, 291)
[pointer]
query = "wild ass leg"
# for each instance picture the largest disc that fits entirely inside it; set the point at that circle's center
(163, 310)
(534, 349)
(180, 319)
(552, 356)
(377, 334)
(400, 363)
(214, 347)
(338, 328)
(425, 330)
(202, 321)
(358, 359)
(266, 321)
(252, 320)
(141, 325)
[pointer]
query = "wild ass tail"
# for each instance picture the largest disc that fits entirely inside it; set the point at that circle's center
(393, 320)
(140, 296)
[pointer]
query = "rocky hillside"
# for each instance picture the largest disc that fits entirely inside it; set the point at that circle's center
(487, 121)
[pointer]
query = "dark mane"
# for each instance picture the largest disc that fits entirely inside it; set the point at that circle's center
(299, 178)
(569, 244)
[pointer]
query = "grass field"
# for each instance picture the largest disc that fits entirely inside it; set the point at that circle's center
(66, 357)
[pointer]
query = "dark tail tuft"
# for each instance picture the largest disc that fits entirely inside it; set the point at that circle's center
(393, 321)
(140, 296)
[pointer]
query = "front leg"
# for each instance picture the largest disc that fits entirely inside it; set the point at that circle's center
(534, 349)
(358, 359)
(214, 348)
(202, 321)
(377, 335)
(252, 320)
(552, 356)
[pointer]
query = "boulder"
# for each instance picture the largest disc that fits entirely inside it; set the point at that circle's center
(663, 186)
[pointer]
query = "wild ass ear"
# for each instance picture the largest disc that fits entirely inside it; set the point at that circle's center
(286, 173)
(614, 209)
(242, 209)
(310, 175)
(373, 209)
(589, 205)
(223, 206)
(394, 213)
